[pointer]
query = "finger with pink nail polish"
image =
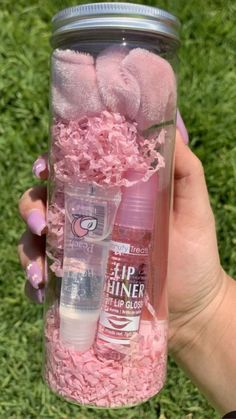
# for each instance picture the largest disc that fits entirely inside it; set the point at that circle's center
(36, 222)
(40, 167)
(181, 127)
(34, 274)
(35, 295)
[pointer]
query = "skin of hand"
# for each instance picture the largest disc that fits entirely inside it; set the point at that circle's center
(195, 275)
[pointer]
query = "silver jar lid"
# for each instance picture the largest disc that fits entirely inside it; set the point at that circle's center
(96, 16)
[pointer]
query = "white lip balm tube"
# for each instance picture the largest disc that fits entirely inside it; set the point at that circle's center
(89, 217)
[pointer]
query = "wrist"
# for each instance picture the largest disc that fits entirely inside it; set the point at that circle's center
(183, 336)
(205, 349)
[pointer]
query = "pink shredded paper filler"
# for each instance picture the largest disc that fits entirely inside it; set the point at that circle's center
(101, 149)
(86, 379)
(55, 221)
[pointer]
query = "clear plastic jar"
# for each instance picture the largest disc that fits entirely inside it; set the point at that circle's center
(113, 111)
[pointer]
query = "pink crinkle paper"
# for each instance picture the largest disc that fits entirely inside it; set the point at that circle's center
(56, 220)
(101, 149)
(86, 379)
(55, 236)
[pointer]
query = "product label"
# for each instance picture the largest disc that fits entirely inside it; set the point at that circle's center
(124, 291)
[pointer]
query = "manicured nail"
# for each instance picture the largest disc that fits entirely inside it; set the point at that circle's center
(46, 270)
(36, 222)
(37, 296)
(182, 128)
(39, 167)
(34, 274)
(40, 295)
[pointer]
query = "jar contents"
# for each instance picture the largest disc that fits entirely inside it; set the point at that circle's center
(104, 342)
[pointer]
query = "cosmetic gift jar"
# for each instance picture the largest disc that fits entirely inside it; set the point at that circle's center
(112, 131)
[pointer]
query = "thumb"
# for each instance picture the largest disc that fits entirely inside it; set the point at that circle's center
(190, 190)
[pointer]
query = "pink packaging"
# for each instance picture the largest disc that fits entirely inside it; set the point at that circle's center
(113, 103)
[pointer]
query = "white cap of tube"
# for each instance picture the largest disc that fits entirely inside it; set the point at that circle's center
(78, 328)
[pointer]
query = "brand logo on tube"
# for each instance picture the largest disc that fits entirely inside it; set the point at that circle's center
(82, 225)
(125, 248)
(120, 248)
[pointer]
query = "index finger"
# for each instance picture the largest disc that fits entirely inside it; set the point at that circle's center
(32, 208)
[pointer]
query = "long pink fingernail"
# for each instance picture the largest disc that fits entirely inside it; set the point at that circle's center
(40, 295)
(36, 222)
(46, 270)
(34, 274)
(35, 295)
(39, 167)
(182, 128)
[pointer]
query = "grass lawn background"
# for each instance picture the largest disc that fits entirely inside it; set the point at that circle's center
(207, 98)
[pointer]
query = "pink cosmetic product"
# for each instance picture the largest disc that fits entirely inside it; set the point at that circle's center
(128, 268)
(112, 133)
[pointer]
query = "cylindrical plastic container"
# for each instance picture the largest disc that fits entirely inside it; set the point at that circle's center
(113, 113)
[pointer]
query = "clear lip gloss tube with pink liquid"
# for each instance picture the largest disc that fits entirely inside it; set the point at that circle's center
(128, 268)
(112, 134)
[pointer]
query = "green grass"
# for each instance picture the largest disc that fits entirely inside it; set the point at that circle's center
(207, 97)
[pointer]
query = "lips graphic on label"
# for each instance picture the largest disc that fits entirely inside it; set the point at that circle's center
(118, 322)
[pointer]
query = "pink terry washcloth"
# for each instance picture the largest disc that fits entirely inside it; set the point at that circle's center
(118, 88)
(156, 81)
(74, 85)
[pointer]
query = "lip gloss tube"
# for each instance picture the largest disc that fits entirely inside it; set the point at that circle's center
(127, 269)
(89, 217)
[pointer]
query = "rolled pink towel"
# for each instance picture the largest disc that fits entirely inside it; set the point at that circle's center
(118, 88)
(157, 84)
(74, 85)
(138, 84)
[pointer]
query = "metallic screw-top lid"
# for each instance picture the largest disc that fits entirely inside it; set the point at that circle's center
(130, 16)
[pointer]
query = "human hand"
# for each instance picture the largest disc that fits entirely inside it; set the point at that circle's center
(31, 247)
(202, 296)
(196, 280)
